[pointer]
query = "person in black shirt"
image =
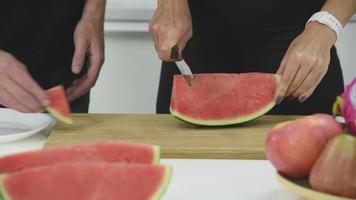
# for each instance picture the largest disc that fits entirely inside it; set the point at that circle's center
(263, 36)
(45, 43)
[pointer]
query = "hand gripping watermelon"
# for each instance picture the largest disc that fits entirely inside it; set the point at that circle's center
(84, 181)
(59, 107)
(223, 99)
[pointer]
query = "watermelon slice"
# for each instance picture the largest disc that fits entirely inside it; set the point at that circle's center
(111, 152)
(223, 99)
(59, 107)
(83, 181)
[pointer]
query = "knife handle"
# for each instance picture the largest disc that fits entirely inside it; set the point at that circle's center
(175, 52)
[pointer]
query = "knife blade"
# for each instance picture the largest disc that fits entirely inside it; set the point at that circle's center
(182, 66)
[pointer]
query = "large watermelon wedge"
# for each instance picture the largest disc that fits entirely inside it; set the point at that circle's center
(111, 152)
(223, 99)
(59, 107)
(84, 181)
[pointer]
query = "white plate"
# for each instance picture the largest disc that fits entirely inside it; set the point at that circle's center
(15, 125)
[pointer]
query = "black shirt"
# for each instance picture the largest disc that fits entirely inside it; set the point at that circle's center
(40, 34)
(227, 19)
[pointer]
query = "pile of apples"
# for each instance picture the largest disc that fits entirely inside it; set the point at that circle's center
(319, 148)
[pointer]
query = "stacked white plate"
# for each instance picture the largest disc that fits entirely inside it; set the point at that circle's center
(15, 125)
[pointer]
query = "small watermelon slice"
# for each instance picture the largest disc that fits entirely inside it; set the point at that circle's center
(223, 99)
(83, 181)
(111, 152)
(59, 107)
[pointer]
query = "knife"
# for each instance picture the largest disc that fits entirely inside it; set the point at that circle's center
(182, 66)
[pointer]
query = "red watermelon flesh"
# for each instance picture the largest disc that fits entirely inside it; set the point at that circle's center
(59, 107)
(84, 181)
(111, 152)
(223, 99)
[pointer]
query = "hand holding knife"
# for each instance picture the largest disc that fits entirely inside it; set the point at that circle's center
(182, 65)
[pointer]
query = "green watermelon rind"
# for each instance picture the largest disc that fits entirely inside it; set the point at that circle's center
(156, 154)
(164, 185)
(338, 104)
(3, 193)
(225, 122)
(57, 115)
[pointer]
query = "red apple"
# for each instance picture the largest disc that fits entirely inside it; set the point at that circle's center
(294, 146)
(335, 170)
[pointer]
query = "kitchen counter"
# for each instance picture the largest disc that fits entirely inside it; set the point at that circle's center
(208, 179)
(177, 139)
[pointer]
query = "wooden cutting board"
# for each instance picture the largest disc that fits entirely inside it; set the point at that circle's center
(176, 138)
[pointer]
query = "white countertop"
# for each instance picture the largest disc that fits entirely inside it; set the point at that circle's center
(195, 179)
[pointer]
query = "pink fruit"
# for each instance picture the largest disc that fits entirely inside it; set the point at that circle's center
(294, 146)
(335, 170)
(346, 106)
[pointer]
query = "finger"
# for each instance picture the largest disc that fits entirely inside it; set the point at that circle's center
(69, 93)
(184, 42)
(10, 102)
(311, 80)
(156, 42)
(96, 60)
(154, 36)
(22, 96)
(282, 66)
(299, 78)
(83, 85)
(166, 43)
(80, 89)
(288, 75)
(305, 95)
(150, 29)
(81, 47)
(75, 82)
(23, 79)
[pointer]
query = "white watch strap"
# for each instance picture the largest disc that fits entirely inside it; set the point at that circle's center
(328, 19)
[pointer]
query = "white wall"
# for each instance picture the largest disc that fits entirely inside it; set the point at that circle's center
(128, 82)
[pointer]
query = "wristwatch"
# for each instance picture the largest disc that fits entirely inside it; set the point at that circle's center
(328, 19)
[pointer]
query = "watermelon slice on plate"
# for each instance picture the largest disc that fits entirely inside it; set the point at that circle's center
(110, 152)
(223, 99)
(59, 107)
(83, 181)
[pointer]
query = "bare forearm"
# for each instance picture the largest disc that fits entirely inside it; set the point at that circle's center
(94, 10)
(341, 9)
(162, 1)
